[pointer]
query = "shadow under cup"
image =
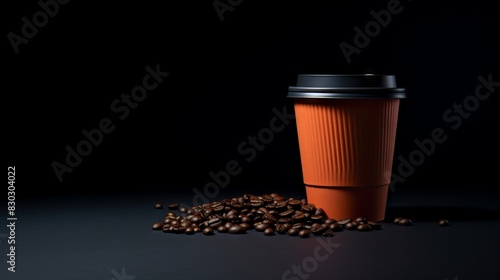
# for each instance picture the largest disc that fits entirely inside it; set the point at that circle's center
(346, 128)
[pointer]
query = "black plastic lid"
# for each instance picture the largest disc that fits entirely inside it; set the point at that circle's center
(361, 86)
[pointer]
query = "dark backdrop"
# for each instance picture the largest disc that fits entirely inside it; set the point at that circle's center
(225, 79)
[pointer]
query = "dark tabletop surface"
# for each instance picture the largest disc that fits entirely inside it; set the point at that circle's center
(110, 237)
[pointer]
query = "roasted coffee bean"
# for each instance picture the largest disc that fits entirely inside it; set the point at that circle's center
(329, 233)
(274, 213)
(281, 228)
(268, 213)
(350, 226)
(246, 226)
(360, 220)
(269, 231)
(167, 229)
(405, 222)
(262, 211)
(178, 229)
(318, 230)
(444, 223)
(317, 218)
(215, 222)
(256, 203)
(237, 229)
(298, 217)
(336, 227)
(308, 208)
(364, 227)
(157, 226)
(261, 226)
(270, 217)
(344, 221)
(171, 214)
(189, 231)
(208, 231)
(197, 229)
(330, 221)
(175, 223)
(267, 198)
(246, 219)
(298, 225)
(295, 203)
(285, 220)
(196, 219)
(304, 233)
(375, 225)
(280, 205)
(158, 206)
(222, 229)
(173, 206)
(232, 218)
(320, 211)
(397, 219)
(185, 223)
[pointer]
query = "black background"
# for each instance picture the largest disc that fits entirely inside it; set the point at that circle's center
(225, 80)
(226, 77)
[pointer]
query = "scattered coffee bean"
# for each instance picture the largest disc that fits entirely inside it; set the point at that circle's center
(444, 223)
(397, 219)
(173, 206)
(208, 231)
(360, 220)
(237, 229)
(157, 226)
(375, 225)
(222, 229)
(246, 226)
(330, 221)
(293, 232)
(269, 231)
(344, 222)
(329, 233)
(158, 206)
(197, 229)
(262, 226)
(266, 213)
(405, 222)
(350, 226)
(189, 231)
(320, 212)
(318, 230)
(304, 233)
(364, 227)
(336, 227)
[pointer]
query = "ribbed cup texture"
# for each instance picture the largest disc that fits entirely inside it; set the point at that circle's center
(346, 142)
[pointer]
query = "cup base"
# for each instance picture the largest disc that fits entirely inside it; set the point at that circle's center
(350, 202)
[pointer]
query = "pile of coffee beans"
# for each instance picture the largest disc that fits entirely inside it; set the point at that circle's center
(270, 214)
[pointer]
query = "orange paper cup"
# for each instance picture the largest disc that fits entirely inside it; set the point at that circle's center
(346, 127)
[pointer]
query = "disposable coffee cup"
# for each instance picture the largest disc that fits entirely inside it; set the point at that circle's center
(346, 126)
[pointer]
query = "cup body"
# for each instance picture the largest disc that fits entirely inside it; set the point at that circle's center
(346, 142)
